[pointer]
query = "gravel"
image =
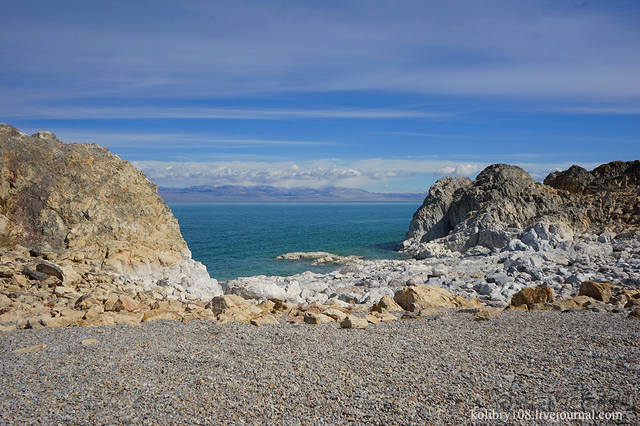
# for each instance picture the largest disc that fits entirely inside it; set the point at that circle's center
(440, 369)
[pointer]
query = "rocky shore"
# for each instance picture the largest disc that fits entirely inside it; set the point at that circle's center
(87, 241)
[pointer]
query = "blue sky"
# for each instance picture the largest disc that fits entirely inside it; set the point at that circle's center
(381, 95)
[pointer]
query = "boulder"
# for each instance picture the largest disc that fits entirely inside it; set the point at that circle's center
(316, 318)
(530, 295)
(352, 321)
(486, 314)
(161, 314)
(386, 303)
(125, 303)
(221, 303)
(598, 290)
(264, 320)
(335, 314)
(50, 269)
(415, 298)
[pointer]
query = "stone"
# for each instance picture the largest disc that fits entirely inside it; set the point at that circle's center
(30, 349)
(263, 320)
(352, 321)
(50, 269)
(125, 303)
(161, 314)
(486, 314)
(386, 303)
(94, 311)
(127, 318)
(414, 298)
(221, 303)
(335, 314)
(313, 318)
(530, 295)
(598, 290)
(87, 342)
(86, 301)
(33, 274)
(373, 319)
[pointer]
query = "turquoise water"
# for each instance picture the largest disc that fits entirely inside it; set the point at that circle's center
(242, 239)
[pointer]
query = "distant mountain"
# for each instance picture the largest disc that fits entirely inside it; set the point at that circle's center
(271, 193)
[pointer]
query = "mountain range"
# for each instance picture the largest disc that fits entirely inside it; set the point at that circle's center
(267, 193)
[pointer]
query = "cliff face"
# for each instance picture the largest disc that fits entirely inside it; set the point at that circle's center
(81, 204)
(504, 201)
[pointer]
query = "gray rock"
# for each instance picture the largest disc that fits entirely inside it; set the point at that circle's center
(50, 269)
(33, 274)
(499, 278)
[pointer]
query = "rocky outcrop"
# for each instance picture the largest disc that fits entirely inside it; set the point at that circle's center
(505, 207)
(88, 212)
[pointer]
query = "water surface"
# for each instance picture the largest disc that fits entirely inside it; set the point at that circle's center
(242, 239)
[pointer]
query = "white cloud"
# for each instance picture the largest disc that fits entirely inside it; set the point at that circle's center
(320, 173)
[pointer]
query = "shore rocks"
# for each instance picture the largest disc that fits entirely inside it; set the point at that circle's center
(78, 209)
(505, 208)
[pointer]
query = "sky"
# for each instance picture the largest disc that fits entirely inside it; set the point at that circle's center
(386, 96)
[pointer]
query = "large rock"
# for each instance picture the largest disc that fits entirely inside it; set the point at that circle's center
(432, 220)
(85, 205)
(504, 204)
(415, 298)
(598, 290)
(532, 295)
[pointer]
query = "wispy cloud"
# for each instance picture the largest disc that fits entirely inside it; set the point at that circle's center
(182, 140)
(419, 134)
(598, 110)
(163, 112)
(241, 48)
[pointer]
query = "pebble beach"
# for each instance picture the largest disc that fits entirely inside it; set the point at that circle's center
(441, 368)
